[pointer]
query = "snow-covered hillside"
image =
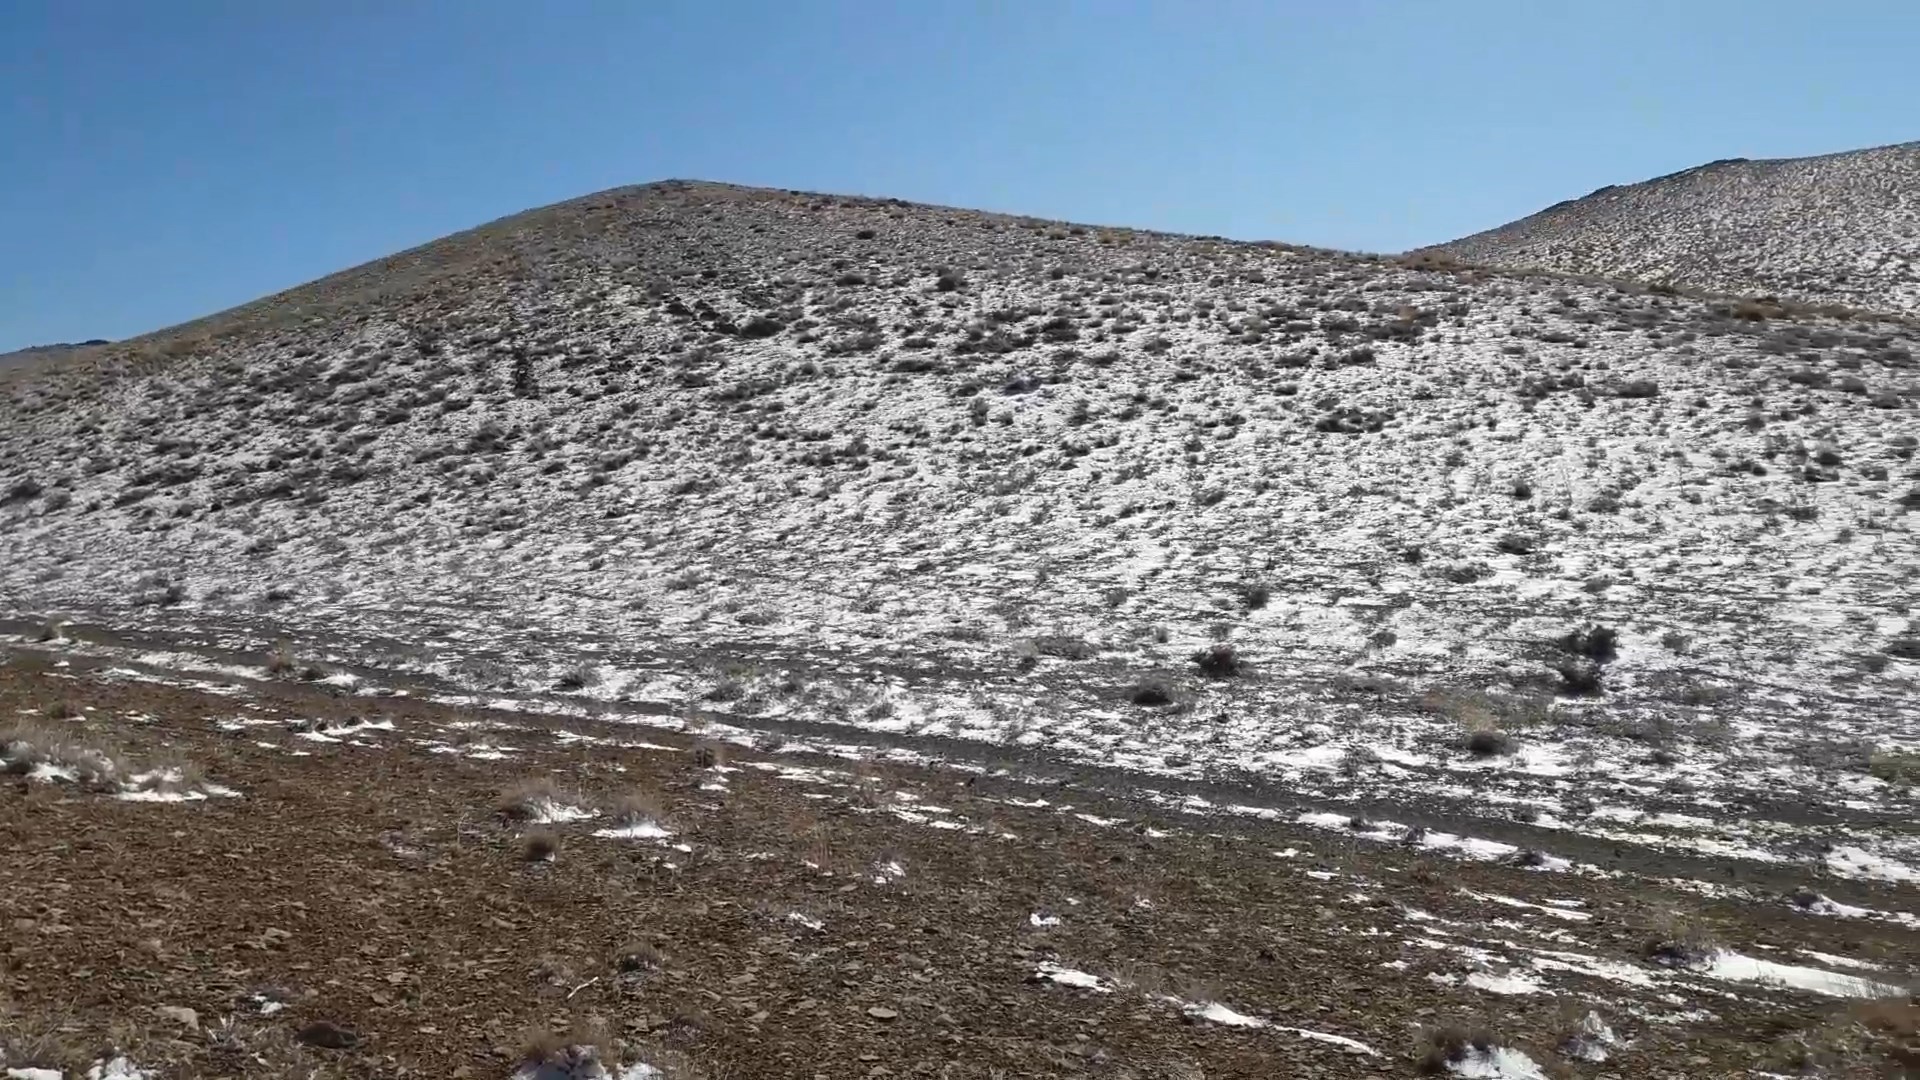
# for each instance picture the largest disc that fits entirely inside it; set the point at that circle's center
(998, 481)
(1837, 229)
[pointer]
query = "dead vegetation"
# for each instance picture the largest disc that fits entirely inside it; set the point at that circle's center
(540, 846)
(44, 751)
(533, 799)
(634, 808)
(1441, 1049)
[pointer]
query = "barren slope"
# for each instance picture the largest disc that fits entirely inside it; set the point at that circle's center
(1836, 229)
(1574, 576)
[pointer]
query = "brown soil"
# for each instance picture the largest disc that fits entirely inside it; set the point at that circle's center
(382, 894)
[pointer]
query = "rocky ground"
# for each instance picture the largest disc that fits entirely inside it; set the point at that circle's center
(328, 884)
(1840, 229)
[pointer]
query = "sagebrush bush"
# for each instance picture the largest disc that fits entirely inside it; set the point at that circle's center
(1152, 693)
(1599, 644)
(1219, 661)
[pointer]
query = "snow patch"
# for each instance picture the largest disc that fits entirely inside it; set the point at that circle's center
(1498, 1063)
(1066, 976)
(636, 830)
(1738, 967)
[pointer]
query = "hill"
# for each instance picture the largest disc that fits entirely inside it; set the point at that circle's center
(1836, 229)
(37, 353)
(1611, 587)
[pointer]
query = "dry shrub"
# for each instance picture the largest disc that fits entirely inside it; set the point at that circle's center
(25, 746)
(280, 661)
(1443, 1047)
(708, 754)
(524, 800)
(634, 807)
(540, 845)
(1480, 710)
(1676, 941)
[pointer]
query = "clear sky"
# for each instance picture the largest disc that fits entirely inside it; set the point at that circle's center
(161, 161)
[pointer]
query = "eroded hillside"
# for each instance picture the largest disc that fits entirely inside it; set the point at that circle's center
(1840, 229)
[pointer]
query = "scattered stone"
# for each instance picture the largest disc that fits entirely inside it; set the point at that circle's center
(328, 1036)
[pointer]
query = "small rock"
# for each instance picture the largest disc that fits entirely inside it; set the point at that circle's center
(881, 1012)
(185, 1017)
(328, 1036)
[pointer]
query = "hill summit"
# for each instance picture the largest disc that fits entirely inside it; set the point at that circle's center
(1835, 229)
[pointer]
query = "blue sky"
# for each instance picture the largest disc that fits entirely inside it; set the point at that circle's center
(160, 161)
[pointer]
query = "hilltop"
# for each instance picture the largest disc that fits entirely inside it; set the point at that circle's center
(46, 352)
(1836, 229)
(1599, 590)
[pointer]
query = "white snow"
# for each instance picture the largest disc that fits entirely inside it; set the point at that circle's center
(119, 1068)
(1511, 983)
(1216, 1013)
(1500, 1063)
(1841, 961)
(554, 812)
(1066, 976)
(1558, 911)
(635, 830)
(1847, 860)
(1738, 967)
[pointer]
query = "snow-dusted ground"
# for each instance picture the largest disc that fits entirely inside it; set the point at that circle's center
(1840, 228)
(742, 453)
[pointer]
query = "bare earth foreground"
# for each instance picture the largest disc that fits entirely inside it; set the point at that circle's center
(278, 879)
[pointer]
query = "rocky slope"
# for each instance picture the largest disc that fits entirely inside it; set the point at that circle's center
(1837, 229)
(1604, 566)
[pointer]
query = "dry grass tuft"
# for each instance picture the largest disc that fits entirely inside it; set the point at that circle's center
(1443, 1047)
(1219, 661)
(1488, 719)
(634, 808)
(280, 661)
(525, 800)
(1677, 942)
(637, 956)
(1893, 1027)
(170, 775)
(586, 1051)
(25, 747)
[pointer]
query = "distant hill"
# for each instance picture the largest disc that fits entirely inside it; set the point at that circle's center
(46, 352)
(1841, 229)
